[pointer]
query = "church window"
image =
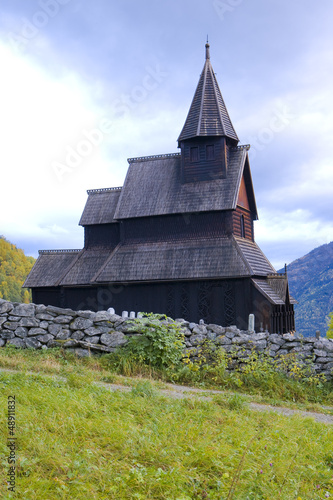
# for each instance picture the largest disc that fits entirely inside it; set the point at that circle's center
(210, 153)
(194, 154)
(242, 226)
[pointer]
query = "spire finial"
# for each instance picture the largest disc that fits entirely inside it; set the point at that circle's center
(207, 49)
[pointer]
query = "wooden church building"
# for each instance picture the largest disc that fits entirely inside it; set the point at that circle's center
(178, 237)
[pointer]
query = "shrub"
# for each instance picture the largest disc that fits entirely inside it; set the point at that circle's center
(160, 343)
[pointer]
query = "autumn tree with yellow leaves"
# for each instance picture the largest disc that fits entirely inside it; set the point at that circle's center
(14, 268)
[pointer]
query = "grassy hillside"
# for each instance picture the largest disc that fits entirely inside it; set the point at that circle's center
(311, 284)
(14, 268)
(79, 440)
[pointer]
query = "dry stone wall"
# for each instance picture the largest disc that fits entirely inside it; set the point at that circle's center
(84, 332)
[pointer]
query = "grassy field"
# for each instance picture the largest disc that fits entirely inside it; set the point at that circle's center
(77, 440)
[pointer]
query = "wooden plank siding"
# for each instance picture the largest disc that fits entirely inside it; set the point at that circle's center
(248, 223)
(204, 160)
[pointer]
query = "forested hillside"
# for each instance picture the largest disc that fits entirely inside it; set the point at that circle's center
(311, 284)
(14, 268)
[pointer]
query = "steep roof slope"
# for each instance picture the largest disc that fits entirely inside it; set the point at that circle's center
(208, 115)
(153, 187)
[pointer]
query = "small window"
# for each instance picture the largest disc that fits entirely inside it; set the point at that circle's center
(242, 226)
(194, 154)
(210, 153)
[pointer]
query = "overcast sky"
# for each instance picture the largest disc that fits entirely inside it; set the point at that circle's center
(85, 85)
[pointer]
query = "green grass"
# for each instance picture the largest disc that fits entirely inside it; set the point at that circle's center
(76, 440)
(79, 440)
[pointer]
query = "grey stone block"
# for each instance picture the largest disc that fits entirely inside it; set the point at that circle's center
(63, 335)
(320, 352)
(197, 339)
(274, 347)
(219, 330)
(59, 310)
(81, 324)
(77, 335)
(10, 325)
(29, 322)
(63, 319)
(26, 310)
(85, 314)
(199, 330)
(32, 343)
(7, 334)
(17, 343)
(21, 332)
(115, 339)
(6, 307)
(240, 339)
(260, 345)
(223, 340)
(93, 340)
(33, 332)
(54, 329)
(102, 316)
(44, 339)
(45, 317)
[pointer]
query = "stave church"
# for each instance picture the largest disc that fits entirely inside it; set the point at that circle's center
(177, 237)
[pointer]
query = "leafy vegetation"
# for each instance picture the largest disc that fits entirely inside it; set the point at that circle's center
(160, 344)
(77, 439)
(14, 268)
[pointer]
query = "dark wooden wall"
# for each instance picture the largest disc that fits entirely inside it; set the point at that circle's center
(248, 223)
(106, 235)
(223, 302)
(205, 166)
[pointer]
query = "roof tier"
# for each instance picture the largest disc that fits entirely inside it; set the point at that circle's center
(209, 258)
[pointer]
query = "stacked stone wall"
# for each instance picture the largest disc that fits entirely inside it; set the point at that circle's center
(85, 332)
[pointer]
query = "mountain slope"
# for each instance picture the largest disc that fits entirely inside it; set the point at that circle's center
(14, 268)
(311, 284)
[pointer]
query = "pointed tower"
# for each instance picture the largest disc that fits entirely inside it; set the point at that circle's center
(208, 131)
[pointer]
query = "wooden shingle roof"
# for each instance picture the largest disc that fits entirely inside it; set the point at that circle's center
(164, 261)
(50, 267)
(86, 266)
(153, 187)
(268, 292)
(100, 206)
(208, 115)
(204, 258)
(258, 264)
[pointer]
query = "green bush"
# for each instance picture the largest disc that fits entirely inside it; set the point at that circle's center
(160, 343)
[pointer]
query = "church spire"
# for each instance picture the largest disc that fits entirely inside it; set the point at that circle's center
(207, 50)
(208, 115)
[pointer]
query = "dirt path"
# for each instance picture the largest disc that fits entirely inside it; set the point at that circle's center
(180, 392)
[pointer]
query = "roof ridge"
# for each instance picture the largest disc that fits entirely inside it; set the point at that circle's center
(152, 157)
(241, 147)
(104, 190)
(242, 256)
(43, 252)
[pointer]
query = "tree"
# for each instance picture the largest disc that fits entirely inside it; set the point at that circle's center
(14, 268)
